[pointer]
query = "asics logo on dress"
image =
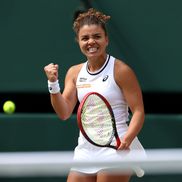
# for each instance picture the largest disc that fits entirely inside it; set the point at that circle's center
(105, 78)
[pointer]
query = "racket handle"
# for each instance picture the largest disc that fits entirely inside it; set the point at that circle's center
(118, 142)
(139, 172)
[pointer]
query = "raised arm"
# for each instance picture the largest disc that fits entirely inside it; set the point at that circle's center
(63, 103)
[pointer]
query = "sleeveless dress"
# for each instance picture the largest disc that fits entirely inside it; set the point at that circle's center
(103, 82)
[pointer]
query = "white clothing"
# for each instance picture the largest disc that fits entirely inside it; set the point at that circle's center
(103, 82)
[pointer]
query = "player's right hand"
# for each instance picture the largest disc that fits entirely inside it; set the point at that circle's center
(51, 71)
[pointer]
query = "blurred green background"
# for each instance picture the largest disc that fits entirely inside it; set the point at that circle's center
(144, 34)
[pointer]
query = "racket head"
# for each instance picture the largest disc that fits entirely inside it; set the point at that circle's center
(96, 121)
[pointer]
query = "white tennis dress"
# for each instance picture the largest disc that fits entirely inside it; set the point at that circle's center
(103, 82)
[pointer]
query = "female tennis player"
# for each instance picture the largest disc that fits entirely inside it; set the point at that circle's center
(111, 78)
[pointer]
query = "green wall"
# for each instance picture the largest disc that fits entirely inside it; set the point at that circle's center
(34, 33)
(45, 132)
(145, 34)
(148, 36)
(37, 132)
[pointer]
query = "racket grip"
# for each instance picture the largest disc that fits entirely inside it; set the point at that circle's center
(118, 142)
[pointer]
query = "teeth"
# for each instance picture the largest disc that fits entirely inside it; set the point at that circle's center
(92, 49)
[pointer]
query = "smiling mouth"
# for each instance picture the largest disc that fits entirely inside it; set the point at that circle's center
(92, 49)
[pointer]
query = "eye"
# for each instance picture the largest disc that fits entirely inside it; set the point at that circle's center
(97, 36)
(84, 38)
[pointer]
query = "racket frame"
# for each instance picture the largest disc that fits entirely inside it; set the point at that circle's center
(115, 133)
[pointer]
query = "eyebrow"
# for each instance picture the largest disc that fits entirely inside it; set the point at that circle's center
(95, 34)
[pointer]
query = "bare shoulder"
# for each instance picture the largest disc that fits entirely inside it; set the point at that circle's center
(73, 71)
(75, 68)
(122, 68)
(123, 72)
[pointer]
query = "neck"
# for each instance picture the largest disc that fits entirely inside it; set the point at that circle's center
(96, 63)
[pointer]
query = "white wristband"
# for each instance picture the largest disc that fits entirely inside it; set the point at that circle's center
(53, 87)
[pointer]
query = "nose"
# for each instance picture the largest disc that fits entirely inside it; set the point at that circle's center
(91, 41)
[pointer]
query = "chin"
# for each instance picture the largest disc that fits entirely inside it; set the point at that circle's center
(92, 55)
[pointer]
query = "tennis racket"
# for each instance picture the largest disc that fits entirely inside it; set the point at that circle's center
(96, 121)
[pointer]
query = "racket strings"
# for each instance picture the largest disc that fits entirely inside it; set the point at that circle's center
(96, 120)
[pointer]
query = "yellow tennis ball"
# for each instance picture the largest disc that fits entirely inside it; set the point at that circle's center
(9, 107)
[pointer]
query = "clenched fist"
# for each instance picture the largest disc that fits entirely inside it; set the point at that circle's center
(51, 71)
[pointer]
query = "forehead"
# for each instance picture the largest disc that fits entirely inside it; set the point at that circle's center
(90, 29)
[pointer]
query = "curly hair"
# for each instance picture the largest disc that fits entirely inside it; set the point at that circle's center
(90, 17)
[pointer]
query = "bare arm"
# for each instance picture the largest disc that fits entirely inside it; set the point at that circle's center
(64, 103)
(127, 81)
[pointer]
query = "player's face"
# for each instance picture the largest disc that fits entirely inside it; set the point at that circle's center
(92, 40)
